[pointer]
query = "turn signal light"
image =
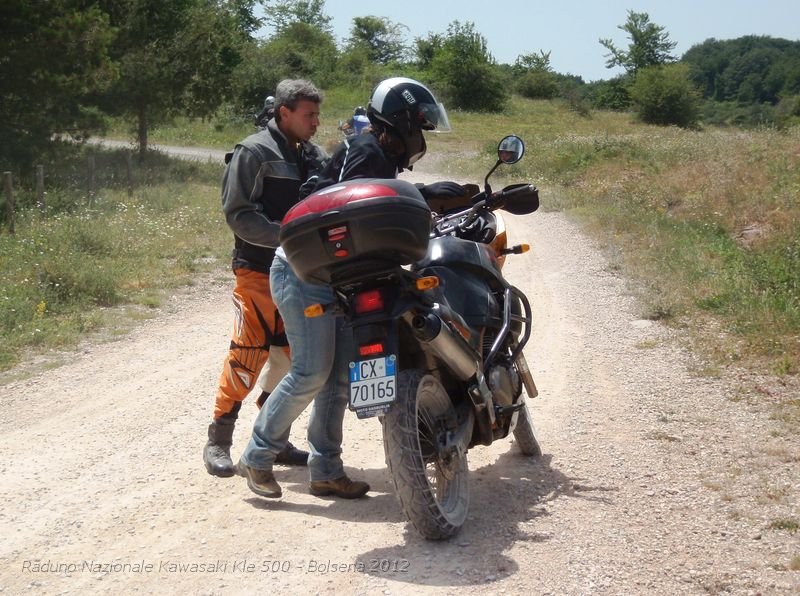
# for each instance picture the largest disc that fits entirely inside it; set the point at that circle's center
(315, 310)
(428, 283)
(516, 250)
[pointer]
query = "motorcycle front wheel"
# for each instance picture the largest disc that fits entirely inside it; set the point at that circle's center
(525, 431)
(431, 479)
(525, 434)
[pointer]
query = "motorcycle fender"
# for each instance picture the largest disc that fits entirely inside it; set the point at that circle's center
(374, 333)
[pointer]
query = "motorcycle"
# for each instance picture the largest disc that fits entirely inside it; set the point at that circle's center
(354, 126)
(438, 331)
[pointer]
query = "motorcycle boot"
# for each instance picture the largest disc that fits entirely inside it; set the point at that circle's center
(261, 482)
(217, 451)
(341, 487)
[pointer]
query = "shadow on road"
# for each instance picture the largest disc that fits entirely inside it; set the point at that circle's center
(507, 498)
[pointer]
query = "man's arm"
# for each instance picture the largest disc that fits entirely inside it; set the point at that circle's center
(241, 185)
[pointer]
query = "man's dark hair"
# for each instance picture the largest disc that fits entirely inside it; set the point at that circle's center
(291, 91)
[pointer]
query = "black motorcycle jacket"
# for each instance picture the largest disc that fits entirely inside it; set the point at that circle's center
(356, 157)
(261, 182)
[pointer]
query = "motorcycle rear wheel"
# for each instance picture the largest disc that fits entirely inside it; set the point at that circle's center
(431, 481)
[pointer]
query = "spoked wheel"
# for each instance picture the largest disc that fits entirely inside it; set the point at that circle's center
(430, 477)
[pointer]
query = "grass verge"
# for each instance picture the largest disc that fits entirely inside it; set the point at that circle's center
(60, 274)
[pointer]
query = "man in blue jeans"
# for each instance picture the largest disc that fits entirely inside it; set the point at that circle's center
(318, 369)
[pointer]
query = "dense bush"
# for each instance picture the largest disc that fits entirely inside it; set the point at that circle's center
(610, 95)
(665, 95)
(538, 84)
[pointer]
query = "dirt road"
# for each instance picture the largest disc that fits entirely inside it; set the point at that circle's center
(654, 480)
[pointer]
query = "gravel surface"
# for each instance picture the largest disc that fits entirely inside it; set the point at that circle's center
(654, 479)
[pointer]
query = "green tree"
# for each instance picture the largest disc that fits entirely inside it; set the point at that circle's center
(244, 13)
(301, 45)
(53, 56)
(303, 50)
(534, 77)
(612, 94)
(465, 71)
(787, 113)
(706, 62)
(356, 72)
(537, 84)
(649, 46)
(540, 61)
(425, 48)
(255, 77)
(282, 14)
(381, 39)
(665, 95)
(174, 58)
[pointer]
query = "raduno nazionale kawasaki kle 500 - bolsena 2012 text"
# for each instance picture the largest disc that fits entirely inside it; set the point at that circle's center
(438, 331)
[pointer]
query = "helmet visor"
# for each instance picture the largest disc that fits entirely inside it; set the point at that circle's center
(434, 117)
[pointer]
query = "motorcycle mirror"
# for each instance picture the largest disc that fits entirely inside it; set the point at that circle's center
(511, 149)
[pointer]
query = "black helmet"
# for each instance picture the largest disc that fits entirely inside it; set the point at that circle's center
(360, 111)
(407, 107)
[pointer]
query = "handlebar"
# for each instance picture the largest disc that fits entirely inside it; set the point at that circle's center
(483, 201)
(498, 199)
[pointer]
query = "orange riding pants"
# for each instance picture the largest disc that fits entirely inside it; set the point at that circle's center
(257, 327)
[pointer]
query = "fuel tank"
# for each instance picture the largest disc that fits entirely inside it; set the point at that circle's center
(449, 251)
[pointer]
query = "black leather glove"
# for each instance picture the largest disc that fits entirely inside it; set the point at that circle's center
(441, 189)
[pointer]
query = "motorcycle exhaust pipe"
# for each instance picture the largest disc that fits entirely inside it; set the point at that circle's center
(447, 345)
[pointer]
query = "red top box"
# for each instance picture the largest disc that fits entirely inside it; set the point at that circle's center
(356, 228)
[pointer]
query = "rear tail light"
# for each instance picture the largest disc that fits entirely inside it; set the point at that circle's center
(370, 301)
(370, 349)
(337, 234)
(338, 238)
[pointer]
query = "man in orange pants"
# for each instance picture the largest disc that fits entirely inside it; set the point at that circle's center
(260, 184)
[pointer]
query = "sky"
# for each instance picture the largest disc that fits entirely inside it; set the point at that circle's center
(570, 29)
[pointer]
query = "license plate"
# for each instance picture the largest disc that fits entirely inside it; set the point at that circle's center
(373, 385)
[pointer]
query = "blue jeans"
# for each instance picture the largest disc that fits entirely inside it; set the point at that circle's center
(320, 351)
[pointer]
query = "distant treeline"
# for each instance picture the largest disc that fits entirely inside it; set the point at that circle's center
(749, 81)
(66, 66)
(747, 70)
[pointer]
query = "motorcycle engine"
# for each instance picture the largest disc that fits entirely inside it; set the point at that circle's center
(505, 384)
